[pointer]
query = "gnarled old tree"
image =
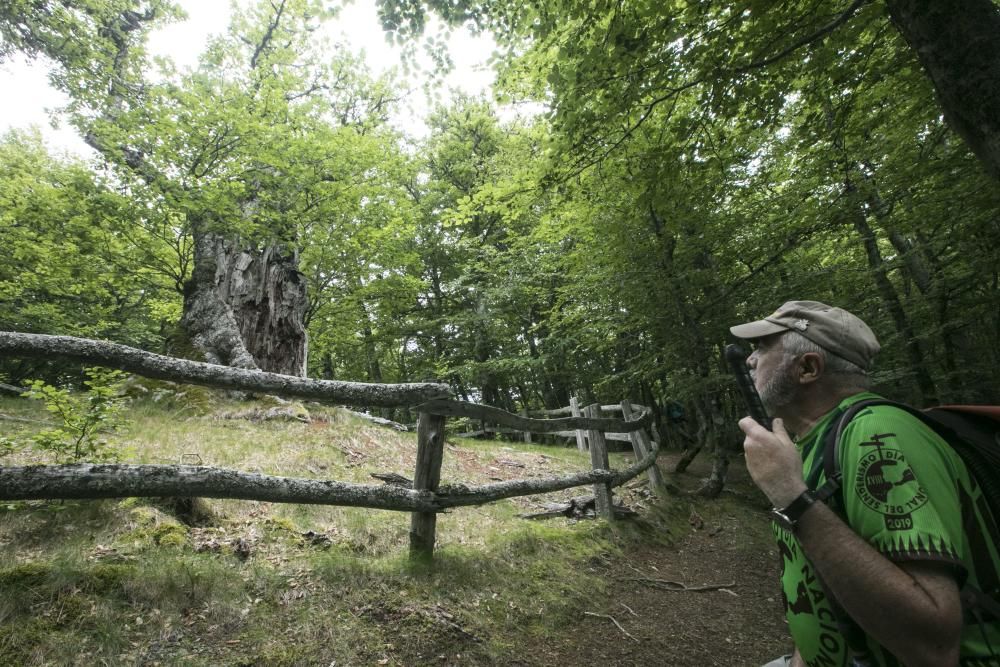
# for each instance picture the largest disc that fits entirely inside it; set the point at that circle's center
(229, 148)
(245, 302)
(191, 145)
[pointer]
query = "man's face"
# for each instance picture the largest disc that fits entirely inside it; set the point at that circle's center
(773, 374)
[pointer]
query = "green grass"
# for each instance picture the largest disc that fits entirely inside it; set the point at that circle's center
(122, 582)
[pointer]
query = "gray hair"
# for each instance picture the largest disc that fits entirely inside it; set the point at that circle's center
(795, 344)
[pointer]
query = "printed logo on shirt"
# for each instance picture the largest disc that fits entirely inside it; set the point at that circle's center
(886, 484)
(807, 608)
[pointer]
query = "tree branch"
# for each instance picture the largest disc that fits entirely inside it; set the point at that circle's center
(672, 93)
(822, 32)
(268, 35)
(451, 408)
(84, 480)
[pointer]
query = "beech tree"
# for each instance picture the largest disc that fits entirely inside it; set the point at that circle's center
(617, 65)
(762, 135)
(233, 148)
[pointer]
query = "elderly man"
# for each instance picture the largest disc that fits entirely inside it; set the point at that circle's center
(881, 573)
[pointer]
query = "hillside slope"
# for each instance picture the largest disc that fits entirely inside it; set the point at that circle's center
(157, 582)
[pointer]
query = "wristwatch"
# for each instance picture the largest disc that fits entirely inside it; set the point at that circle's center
(788, 517)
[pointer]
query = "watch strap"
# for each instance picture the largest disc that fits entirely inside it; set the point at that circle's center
(789, 515)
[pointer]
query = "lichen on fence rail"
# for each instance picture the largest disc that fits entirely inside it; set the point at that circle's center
(450, 408)
(162, 367)
(86, 480)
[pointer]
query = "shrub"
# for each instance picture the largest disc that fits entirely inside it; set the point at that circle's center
(86, 418)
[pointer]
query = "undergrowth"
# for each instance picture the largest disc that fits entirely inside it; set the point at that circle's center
(133, 581)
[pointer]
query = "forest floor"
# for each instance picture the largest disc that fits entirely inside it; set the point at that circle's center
(689, 581)
(736, 619)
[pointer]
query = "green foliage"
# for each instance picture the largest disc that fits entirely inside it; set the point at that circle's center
(67, 251)
(698, 164)
(7, 445)
(86, 419)
(78, 33)
(708, 161)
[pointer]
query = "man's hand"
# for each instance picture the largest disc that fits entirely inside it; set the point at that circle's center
(773, 461)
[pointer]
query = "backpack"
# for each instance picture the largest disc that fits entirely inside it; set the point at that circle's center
(973, 431)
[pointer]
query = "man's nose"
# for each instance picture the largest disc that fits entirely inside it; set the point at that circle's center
(752, 360)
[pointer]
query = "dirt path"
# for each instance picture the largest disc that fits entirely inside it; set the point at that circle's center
(740, 623)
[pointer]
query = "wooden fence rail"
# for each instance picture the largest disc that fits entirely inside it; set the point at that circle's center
(77, 481)
(157, 366)
(425, 500)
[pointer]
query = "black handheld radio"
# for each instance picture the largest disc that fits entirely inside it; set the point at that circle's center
(736, 357)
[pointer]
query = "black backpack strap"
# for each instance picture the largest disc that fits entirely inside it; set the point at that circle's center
(831, 446)
(975, 599)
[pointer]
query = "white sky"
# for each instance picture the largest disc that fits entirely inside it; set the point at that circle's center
(29, 100)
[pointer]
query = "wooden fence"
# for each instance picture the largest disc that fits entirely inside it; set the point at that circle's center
(425, 500)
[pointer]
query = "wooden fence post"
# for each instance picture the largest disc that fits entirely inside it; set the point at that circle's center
(599, 460)
(527, 434)
(426, 477)
(581, 439)
(642, 446)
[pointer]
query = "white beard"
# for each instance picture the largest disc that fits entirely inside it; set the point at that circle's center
(779, 390)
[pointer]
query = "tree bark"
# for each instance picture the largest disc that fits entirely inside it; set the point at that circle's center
(493, 415)
(713, 486)
(599, 461)
(426, 477)
(956, 42)
(246, 308)
(641, 445)
(85, 480)
(698, 442)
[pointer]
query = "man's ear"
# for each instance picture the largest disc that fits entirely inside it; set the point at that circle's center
(811, 366)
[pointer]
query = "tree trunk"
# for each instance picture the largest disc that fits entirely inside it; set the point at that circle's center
(716, 481)
(957, 45)
(696, 444)
(713, 486)
(687, 457)
(327, 372)
(245, 307)
(924, 383)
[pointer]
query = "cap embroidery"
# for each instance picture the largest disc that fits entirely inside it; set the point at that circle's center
(801, 325)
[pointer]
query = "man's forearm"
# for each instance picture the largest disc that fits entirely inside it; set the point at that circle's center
(917, 618)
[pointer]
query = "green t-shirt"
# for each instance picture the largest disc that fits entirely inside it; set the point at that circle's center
(908, 494)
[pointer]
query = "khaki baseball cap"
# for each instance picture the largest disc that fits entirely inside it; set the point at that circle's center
(833, 329)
